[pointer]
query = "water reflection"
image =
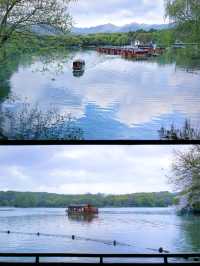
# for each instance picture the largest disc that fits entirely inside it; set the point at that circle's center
(128, 226)
(7, 68)
(80, 217)
(78, 73)
(117, 98)
(24, 121)
(191, 229)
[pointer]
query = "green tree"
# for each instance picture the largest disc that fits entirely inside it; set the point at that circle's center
(22, 15)
(186, 15)
(181, 11)
(186, 178)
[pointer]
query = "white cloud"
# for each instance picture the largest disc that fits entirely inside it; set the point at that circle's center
(105, 169)
(132, 101)
(88, 13)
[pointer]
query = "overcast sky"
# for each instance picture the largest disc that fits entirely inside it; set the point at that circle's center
(83, 169)
(87, 13)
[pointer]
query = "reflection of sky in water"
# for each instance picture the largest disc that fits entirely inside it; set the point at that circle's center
(114, 98)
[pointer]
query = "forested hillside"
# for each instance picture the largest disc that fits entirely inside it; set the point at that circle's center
(38, 199)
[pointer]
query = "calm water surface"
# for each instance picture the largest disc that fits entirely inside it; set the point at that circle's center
(135, 229)
(115, 98)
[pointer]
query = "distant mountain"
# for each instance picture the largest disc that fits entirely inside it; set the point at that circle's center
(110, 28)
(106, 28)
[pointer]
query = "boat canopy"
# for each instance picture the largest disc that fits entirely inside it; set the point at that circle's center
(77, 206)
(79, 61)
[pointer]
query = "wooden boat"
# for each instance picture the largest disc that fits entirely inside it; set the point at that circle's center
(81, 209)
(79, 65)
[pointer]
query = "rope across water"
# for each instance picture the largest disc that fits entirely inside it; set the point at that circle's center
(74, 237)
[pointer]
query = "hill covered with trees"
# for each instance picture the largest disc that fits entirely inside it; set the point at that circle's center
(42, 199)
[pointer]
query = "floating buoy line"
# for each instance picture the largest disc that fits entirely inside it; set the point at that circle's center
(74, 237)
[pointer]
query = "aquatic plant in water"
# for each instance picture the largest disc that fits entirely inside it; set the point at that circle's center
(187, 132)
(28, 122)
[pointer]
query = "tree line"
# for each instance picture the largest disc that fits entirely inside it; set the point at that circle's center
(161, 37)
(41, 199)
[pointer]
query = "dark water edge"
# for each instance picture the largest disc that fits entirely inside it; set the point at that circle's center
(185, 212)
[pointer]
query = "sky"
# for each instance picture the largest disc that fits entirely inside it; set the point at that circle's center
(86, 169)
(87, 13)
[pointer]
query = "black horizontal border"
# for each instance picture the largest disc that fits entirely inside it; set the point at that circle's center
(101, 258)
(96, 142)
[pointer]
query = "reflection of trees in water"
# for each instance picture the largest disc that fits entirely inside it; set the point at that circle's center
(13, 56)
(29, 122)
(8, 65)
(186, 132)
(191, 232)
(187, 58)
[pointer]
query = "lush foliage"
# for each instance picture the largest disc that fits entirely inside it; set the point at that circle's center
(22, 15)
(35, 199)
(162, 37)
(186, 178)
(183, 10)
(186, 15)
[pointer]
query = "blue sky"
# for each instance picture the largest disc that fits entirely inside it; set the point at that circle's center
(83, 169)
(87, 13)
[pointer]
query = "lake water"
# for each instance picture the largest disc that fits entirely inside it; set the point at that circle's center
(114, 98)
(141, 230)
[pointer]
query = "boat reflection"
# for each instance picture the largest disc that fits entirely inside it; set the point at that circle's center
(80, 217)
(78, 73)
(78, 68)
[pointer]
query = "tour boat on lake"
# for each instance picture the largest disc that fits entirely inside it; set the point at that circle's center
(79, 65)
(82, 209)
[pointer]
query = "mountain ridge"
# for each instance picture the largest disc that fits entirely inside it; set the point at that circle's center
(111, 28)
(104, 28)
